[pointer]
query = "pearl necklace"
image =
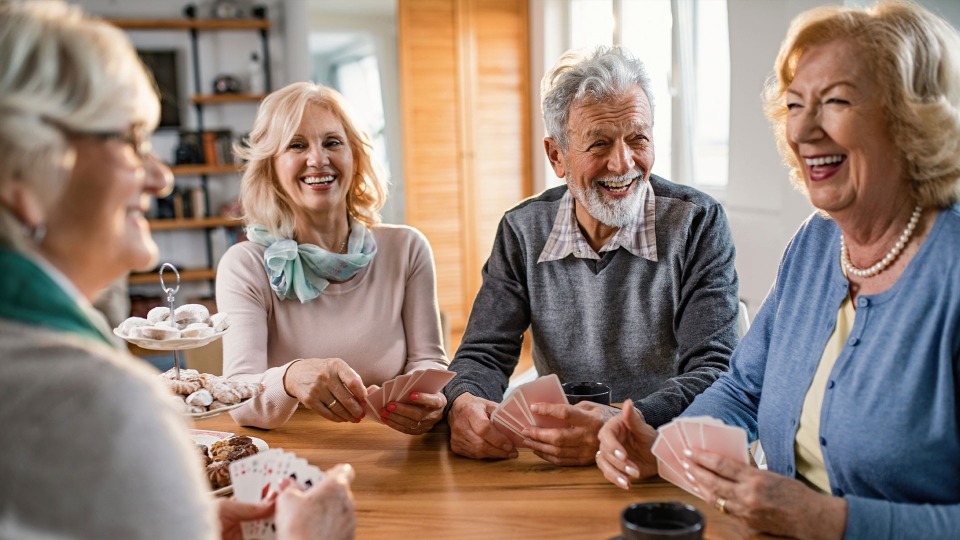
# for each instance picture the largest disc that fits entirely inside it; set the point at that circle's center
(343, 246)
(888, 258)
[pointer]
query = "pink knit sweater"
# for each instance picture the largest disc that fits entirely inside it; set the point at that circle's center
(383, 322)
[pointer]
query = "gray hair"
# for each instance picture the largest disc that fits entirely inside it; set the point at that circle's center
(589, 77)
(61, 69)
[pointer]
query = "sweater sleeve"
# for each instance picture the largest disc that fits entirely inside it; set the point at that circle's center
(421, 311)
(243, 293)
(705, 321)
(874, 519)
(491, 343)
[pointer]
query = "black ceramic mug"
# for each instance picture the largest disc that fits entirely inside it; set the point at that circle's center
(587, 391)
(661, 520)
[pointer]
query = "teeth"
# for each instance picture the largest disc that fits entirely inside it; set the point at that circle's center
(317, 180)
(616, 183)
(825, 160)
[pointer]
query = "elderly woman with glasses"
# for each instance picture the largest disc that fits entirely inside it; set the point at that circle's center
(92, 444)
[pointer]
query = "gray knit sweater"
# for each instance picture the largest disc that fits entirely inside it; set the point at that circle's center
(656, 332)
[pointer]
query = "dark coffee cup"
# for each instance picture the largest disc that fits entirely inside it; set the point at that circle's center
(660, 520)
(587, 391)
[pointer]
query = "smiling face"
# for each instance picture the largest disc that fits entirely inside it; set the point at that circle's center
(96, 231)
(315, 170)
(837, 128)
(610, 152)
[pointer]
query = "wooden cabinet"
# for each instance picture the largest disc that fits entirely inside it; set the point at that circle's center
(212, 170)
(465, 98)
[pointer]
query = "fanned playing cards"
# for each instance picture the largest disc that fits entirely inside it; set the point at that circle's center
(696, 433)
(424, 381)
(257, 477)
(513, 414)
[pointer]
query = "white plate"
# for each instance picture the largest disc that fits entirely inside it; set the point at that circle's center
(207, 438)
(216, 412)
(169, 344)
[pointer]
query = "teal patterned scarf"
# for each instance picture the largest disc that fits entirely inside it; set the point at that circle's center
(303, 271)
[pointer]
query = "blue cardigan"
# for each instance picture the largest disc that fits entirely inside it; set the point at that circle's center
(890, 424)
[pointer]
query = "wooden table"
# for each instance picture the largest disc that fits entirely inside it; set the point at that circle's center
(415, 487)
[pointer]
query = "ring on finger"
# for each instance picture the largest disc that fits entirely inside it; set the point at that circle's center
(597, 457)
(332, 404)
(721, 505)
(417, 426)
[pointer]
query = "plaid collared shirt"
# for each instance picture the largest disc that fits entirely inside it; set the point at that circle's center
(639, 237)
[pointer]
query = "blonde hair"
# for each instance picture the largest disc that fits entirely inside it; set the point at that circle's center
(61, 69)
(916, 57)
(279, 116)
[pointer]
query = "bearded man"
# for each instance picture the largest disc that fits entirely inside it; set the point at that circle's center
(621, 276)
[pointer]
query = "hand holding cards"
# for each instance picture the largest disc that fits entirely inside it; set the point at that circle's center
(426, 381)
(513, 414)
(258, 477)
(695, 433)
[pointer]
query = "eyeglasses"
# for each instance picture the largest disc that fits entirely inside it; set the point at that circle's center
(137, 136)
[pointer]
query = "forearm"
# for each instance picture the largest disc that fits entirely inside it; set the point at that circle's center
(878, 520)
(273, 407)
(676, 394)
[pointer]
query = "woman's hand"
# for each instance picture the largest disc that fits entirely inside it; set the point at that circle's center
(766, 501)
(625, 443)
(232, 513)
(416, 417)
(328, 386)
(326, 510)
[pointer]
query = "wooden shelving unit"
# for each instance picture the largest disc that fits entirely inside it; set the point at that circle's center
(199, 170)
(191, 24)
(209, 99)
(193, 223)
(151, 278)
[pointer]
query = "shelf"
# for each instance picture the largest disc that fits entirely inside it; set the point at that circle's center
(208, 99)
(191, 24)
(197, 223)
(150, 278)
(197, 170)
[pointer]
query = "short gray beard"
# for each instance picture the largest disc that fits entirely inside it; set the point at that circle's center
(611, 212)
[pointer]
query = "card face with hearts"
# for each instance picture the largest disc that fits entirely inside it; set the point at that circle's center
(695, 433)
(259, 476)
(398, 389)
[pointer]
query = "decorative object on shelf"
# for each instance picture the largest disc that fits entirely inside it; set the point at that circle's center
(188, 151)
(226, 84)
(227, 9)
(254, 75)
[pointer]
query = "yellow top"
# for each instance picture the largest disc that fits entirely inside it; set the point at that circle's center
(810, 465)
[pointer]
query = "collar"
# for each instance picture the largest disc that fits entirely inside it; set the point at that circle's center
(638, 237)
(33, 292)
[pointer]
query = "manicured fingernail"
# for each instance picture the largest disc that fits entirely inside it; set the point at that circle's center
(391, 407)
(685, 464)
(619, 454)
(384, 412)
(687, 452)
(622, 481)
(632, 472)
(384, 419)
(695, 488)
(692, 479)
(535, 408)
(415, 396)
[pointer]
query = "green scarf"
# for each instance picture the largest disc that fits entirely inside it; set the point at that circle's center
(28, 295)
(303, 271)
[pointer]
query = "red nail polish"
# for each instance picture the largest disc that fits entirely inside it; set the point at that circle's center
(391, 407)
(414, 396)
(384, 419)
(384, 413)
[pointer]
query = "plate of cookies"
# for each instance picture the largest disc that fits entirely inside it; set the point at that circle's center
(203, 395)
(218, 449)
(188, 327)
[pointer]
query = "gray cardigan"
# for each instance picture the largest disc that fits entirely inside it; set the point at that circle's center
(656, 332)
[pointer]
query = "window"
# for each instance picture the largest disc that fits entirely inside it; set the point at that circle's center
(359, 81)
(685, 47)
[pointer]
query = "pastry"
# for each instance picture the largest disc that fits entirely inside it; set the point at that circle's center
(219, 322)
(196, 330)
(157, 332)
(225, 391)
(191, 313)
(182, 387)
(185, 374)
(218, 473)
(157, 314)
(127, 326)
(201, 397)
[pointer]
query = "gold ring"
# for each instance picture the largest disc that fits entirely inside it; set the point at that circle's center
(721, 505)
(417, 426)
(332, 404)
(597, 457)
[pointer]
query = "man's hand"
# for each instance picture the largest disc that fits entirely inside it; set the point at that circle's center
(575, 445)
(472, 434)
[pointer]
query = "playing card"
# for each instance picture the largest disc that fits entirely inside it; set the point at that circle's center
(399, 383)
(546, 389)
(728, 441)
(398, 389)
(387, 392)
(429, 381)
(508, 426)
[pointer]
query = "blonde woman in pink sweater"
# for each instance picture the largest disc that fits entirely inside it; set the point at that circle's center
(325, 302)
